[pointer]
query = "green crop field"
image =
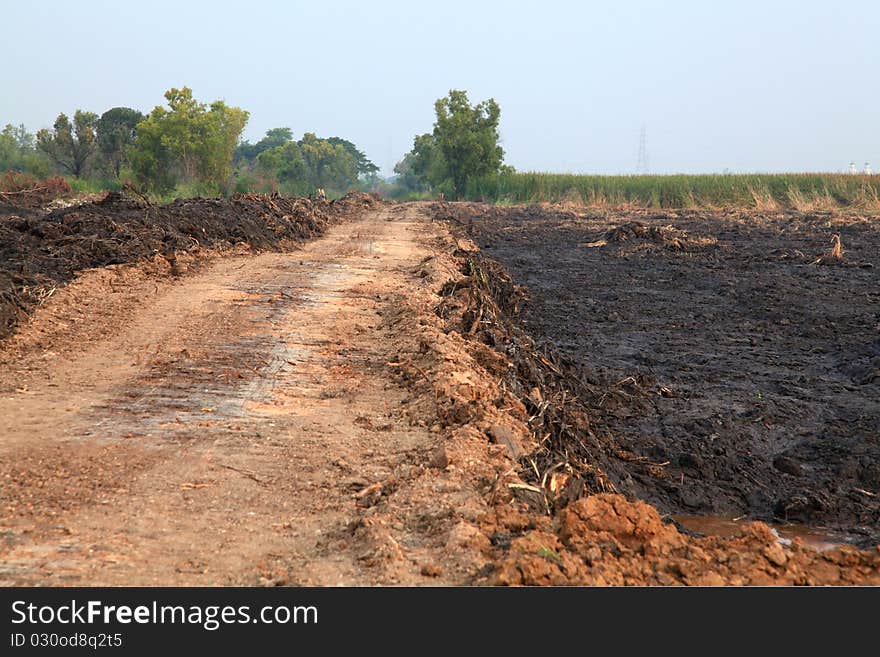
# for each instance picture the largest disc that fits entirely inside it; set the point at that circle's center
(802, 191)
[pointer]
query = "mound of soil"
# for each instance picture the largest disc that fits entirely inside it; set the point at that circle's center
(668, 236)
(20, 190)
(740, 380)
(39, 252)
(485, 306)
(605, 540)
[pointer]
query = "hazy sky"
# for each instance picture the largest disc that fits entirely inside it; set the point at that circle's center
(746, 86)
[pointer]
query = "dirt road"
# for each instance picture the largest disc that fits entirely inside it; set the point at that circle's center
(228, 429)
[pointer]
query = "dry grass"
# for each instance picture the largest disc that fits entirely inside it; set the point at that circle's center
(764, 200)
(834, 256)
(811, 201)
(836, 248)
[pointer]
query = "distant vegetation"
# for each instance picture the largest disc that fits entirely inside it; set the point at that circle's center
(278, 163)
(463, 148)
(186, 148)
(767, 191)
(189, 148)
(462, 159)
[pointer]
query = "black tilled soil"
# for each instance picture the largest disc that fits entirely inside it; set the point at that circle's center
(735, 363)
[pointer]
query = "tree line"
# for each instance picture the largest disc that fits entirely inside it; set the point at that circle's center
(186, 146)
(190, 148)
(297, 167)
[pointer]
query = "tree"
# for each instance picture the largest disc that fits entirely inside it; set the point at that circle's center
(10, 152)
(463, 146)
(70, 146)
(182, 128)
(24, 140)
(188, 141)
(18, 151)
(421, 167)
(327, 164)
(286, 165)
(365, 168)
(152, 160)
(224, 125)
(115, 132)
(468, 138)
(300, 167)
(274, 138)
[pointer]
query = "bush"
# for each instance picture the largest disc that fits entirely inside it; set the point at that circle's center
(26, 190)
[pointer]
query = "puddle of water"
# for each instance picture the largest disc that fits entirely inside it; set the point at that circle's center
(727, 527)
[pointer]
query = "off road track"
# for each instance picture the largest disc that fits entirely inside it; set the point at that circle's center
(220, 431)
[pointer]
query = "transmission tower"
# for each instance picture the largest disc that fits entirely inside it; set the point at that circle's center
(643, 166)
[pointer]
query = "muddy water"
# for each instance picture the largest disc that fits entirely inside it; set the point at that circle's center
(727, 527)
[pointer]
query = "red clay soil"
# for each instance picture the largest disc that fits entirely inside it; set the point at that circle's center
(606, 540)
(21, 190)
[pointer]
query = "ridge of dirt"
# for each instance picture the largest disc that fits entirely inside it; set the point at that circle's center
(41, 251)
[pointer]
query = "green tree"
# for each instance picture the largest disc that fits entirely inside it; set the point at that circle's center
(327, 164)
(70, 146)
(364, 167)
(18, 151)
(275, 137)
(463, 145)
(299, 167)
(24, 140)
(467, 136)
(286, 165)
(181, 128)
(10, 152)
(222, 131)
(152, 160)
(188, 141)
(428, 161)
(420, 166)
(115, 133)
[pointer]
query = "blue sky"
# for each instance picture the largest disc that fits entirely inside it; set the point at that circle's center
(742, 86)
